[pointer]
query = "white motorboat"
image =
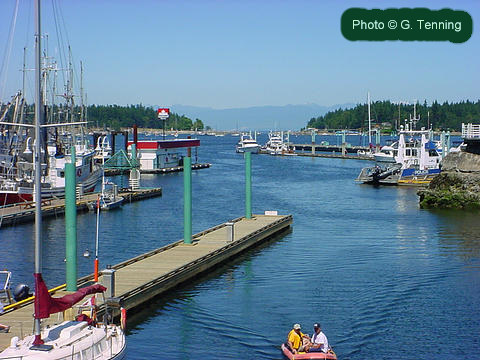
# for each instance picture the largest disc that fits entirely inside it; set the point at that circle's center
(369, 153)
(386, 154)
(247, 144)
(276, 145)
(83, 337)
(107, 200)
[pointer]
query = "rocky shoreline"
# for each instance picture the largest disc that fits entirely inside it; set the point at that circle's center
(457, 187)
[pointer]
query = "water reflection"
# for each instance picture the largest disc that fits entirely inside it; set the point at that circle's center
(404, 199)
(459, 233)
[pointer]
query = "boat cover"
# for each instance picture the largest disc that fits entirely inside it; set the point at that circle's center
(46, 305)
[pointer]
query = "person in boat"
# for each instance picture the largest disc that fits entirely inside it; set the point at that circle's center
(319, 340)
(297, 341)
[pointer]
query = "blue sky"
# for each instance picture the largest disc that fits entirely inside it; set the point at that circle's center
(226, 54)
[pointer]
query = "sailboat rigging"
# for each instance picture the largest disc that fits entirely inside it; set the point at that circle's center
(70, 339)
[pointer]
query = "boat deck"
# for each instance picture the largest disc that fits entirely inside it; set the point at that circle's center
(146, 276)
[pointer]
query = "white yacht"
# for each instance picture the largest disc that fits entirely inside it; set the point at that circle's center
(276, 145)
(247, 144)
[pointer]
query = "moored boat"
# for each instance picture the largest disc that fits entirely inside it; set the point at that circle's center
(309, 355)
(106, 202)
(276, 145)
(75, 339)
(17, 143)
(386, 154)
(247, 144)
(417, 162)
(79, 338)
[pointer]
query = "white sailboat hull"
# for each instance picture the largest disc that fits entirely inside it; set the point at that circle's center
(71, 340)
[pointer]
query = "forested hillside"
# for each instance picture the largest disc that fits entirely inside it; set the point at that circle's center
(446, 116)
(115, 116)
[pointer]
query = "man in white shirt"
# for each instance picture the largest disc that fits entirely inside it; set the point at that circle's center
(319, 340)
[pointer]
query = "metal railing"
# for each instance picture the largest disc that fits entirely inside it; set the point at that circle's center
(470, 131)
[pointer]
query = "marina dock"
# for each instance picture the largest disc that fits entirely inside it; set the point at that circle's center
(337, 156)
(197, 166)
(146, 276)
(329, 148)
(25, 212)
(324, 155)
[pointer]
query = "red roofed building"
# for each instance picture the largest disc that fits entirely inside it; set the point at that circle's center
(160, 154)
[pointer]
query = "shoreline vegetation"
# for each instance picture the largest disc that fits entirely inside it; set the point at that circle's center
(116, 117)
(390, 115)
(386, 116)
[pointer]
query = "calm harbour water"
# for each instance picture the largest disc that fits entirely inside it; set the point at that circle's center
(385, 279)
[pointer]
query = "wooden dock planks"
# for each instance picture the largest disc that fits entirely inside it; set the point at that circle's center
(148, 275)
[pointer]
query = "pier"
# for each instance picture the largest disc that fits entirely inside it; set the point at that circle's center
(329, 148)
(197, 166)
(142, 278)
(338, 156)
(25, 212)
(332, 155)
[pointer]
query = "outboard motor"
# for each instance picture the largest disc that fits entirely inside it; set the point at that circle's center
(21, 292)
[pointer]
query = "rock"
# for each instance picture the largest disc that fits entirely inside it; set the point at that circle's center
(462, 162)
(457, 187)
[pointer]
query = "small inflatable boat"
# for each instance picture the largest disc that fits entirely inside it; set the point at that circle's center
(311, 355)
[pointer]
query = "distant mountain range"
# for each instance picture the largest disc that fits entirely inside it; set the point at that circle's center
(287, 117)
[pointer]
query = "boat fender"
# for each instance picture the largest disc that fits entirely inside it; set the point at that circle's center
(123, 318)
(79, 172)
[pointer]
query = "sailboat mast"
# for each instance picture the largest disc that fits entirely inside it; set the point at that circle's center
(369, 122)
(81, 93)
(37, 162)
(24, 74)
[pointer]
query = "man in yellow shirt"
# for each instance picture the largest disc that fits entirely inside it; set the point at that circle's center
(295, 339)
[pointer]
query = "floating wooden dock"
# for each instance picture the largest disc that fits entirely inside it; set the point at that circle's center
(197, 166)
(329, 148)
(25, 212)
(337, 156)
(149, 275)
(333, 156)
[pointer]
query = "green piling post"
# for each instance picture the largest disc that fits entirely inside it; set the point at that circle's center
(71, 222)
(187, 200)
(134, 155)
(248, 185)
